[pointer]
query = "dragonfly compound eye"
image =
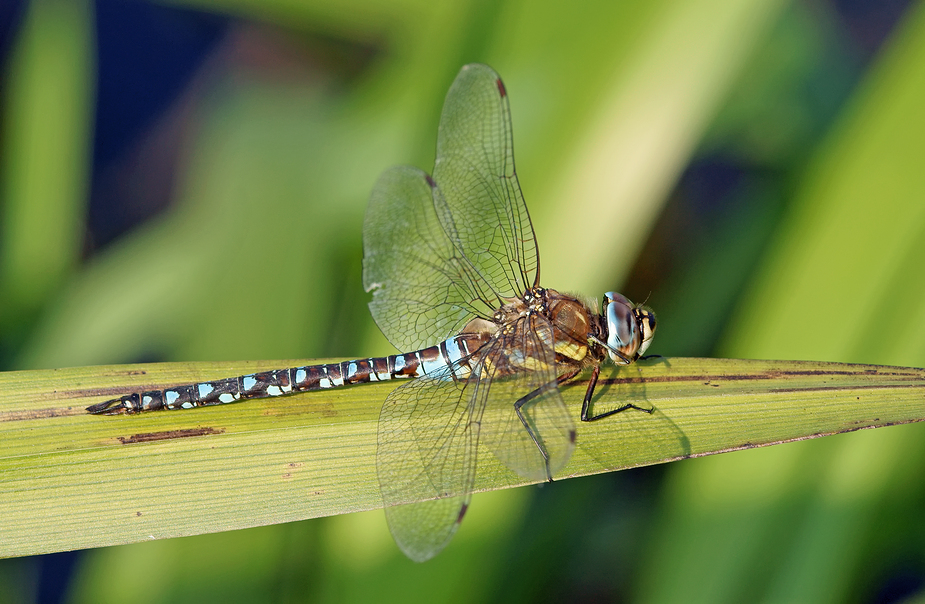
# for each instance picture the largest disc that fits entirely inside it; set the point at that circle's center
(623, 331)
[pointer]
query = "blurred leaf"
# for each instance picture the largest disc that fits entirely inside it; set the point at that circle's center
(72, 480)
(357, 19)
(46, 151)
(843, 280)
(654, 101)
(851, 246)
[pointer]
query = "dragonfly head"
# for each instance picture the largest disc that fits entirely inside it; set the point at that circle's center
(630, 328)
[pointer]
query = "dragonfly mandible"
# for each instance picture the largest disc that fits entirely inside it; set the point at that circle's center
(452, 263)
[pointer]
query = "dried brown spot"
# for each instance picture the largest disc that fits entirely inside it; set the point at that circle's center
(768, 375)
(15, 416)
(168, 435)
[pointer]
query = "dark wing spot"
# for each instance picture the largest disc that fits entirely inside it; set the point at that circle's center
(465, 506)
(501, 88)
(167, 435)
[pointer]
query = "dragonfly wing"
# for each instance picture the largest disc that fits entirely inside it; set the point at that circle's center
(441, 251)
(482, 208)
(429, 431)
(428, 437)
(424, 289)
(522, 363)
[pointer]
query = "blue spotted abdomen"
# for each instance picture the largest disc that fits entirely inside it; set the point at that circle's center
(279, 382)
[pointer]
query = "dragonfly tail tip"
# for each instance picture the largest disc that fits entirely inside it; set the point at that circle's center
(107, 407)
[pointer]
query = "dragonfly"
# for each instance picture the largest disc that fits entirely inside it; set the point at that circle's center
(452, 263)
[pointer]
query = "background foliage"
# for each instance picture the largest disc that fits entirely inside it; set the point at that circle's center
(187, 180)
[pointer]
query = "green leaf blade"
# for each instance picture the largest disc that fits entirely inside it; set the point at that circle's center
(72, 480)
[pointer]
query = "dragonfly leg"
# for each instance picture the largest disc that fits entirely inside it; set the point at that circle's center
(518, 409)
(586, 404)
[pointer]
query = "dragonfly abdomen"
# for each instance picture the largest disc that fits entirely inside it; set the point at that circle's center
(279, 382)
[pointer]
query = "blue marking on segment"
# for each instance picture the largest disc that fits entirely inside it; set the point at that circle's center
(248, 381)
(274, 390)
(227, 397)
(146, 400)
(338, 381)
(399, 364)
(431, 366)
(203, 392)
(325, 382)
(453, 351)
(171, 396)
(300, 375)
(187, 405)
(351, 370)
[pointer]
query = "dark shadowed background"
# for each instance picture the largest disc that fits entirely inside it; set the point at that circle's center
(186, 180)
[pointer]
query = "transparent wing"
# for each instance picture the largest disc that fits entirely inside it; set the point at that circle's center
(521, 367)
(428, 436)
(482, 208)
(424, 289)
(429, 431)
(441, 251)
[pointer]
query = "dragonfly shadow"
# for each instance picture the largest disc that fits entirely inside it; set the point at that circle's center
(640, 434)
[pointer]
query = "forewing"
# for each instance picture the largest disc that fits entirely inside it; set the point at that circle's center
(482, 207)
(423, 289)
(522, 366)
(428, 437)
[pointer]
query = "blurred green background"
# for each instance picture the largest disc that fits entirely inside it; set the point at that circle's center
(186, 180)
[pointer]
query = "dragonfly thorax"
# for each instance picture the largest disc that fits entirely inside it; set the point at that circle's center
(629, 328)
(534, 301)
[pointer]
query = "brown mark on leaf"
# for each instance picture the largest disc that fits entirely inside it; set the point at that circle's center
(773, 375)
(847, 387)
(27, 414)
(168, 435)
(294, 466)
(752, 445)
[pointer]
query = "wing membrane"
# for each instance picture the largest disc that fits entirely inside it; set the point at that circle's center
(523, 364)
(441, 251)
(424, 289)
(483, 208)
(428, 436)
(429, 431)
